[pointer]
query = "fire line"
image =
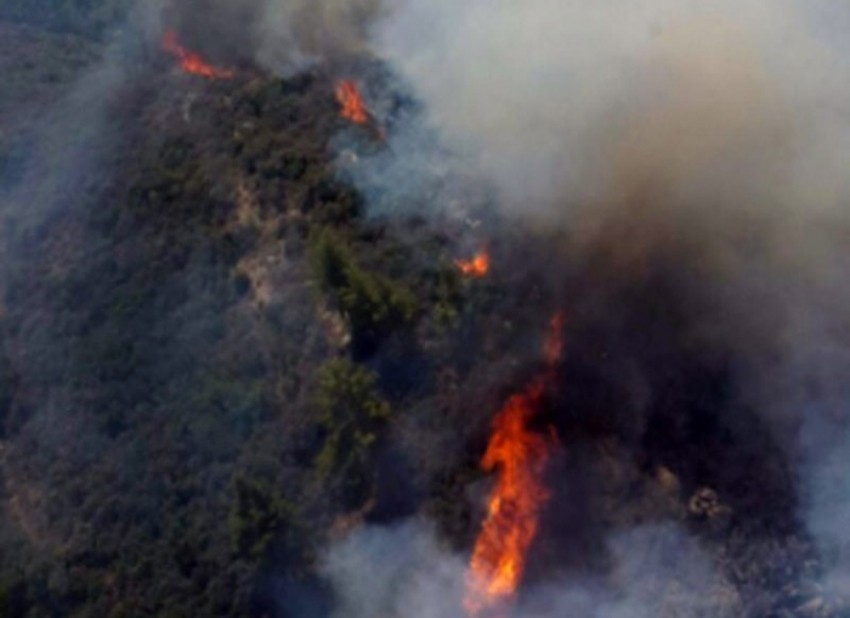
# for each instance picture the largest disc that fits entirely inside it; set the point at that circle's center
(190, 62)
(351, 101)
(519, 456)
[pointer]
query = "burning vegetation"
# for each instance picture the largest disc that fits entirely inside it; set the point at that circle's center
(477, 266)
(352, 107)
(518, 455)
(190, 62)
(282, 374)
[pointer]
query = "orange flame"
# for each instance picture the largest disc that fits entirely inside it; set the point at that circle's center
(349, 98)
(520, 456)
(191, 62)
(478, 266)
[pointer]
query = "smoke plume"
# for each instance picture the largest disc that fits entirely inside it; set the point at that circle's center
(404, 571)
(700, 143)
(280, 35)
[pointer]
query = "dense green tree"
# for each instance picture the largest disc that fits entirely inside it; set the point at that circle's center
(352, 414)
(373, 304)
(258, 513)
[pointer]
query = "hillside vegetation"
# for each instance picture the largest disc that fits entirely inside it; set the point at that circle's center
(215, 360)
(206, 323)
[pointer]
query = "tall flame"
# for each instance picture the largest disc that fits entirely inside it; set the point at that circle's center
(191, 62)
(520, 457)
(478, 266)
(349, 98)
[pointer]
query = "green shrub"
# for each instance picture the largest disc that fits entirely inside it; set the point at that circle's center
(374, 305)
(352, 412)
(256, 516)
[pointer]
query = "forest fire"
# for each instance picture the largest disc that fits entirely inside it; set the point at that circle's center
(520, 457)
(191, 62)
(478, 266)
(349, 97)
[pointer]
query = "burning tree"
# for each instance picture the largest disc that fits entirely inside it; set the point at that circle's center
(518, 456)
(191, 62)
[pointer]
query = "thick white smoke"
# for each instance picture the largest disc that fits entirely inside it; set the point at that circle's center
(553, 97)
(404, 572)
(295, 32)
(400, 571)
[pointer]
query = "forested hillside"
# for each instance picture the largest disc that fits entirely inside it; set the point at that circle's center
(224, 338)
(84, 17)
(220, 362)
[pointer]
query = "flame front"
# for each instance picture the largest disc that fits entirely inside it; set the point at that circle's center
(520, 457)
(191, 62)
(349, 97)
(478, 266)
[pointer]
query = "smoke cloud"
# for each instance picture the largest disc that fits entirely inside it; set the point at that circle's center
(280, 35)
(305, 30)
(404, 571)
(559, 101)
(710, 138)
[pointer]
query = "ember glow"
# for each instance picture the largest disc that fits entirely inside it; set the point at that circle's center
(191, 62)
(350, 100)
(519, 456)
(478, 266)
